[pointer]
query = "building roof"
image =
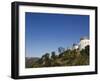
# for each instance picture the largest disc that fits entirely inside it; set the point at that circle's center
(83, 38)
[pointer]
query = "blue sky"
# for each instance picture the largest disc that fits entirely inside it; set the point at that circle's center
(46, 32)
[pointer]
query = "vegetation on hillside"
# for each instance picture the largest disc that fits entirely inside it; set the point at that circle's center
(64, 58)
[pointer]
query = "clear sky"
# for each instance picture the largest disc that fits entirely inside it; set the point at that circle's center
(46, 32)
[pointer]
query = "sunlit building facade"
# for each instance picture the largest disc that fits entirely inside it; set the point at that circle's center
(83, 43)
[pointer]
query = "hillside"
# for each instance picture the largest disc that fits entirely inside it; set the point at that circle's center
(30, 60)
(66, 58)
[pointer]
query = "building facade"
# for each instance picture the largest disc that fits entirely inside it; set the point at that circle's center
(75, 46)
(83, 43)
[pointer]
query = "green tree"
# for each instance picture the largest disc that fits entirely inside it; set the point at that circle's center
(46, 61)
(87, 49)
(53, 55)
(61, 50)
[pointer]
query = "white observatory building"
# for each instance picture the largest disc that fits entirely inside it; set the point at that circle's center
(83, 43)
(75, 46)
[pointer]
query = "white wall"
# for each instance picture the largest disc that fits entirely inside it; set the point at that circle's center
(5, 40)
(83, 43)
